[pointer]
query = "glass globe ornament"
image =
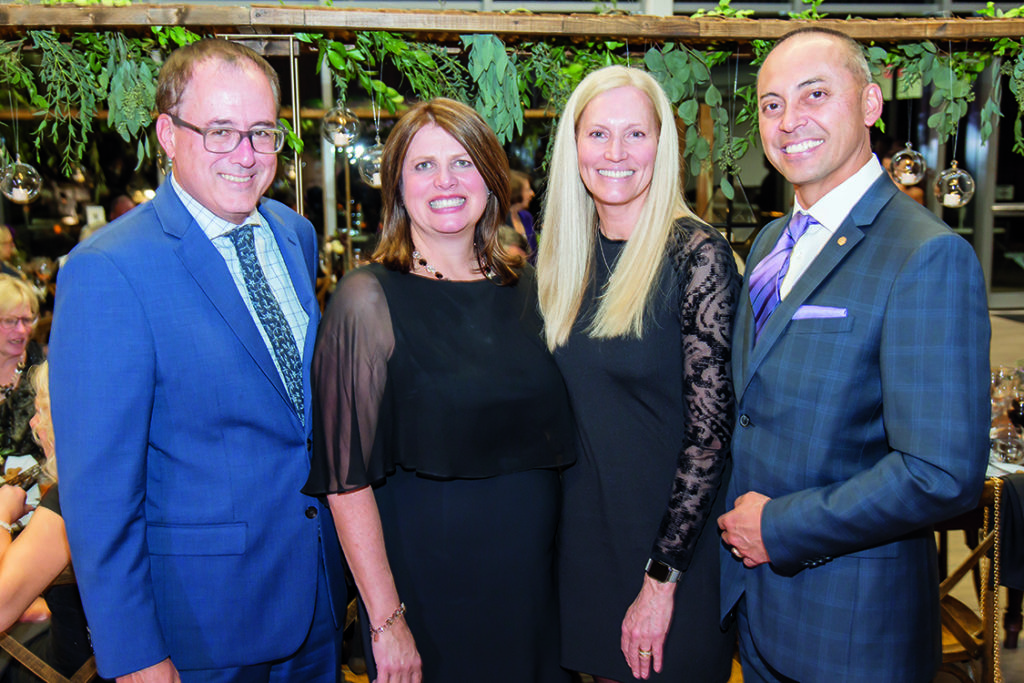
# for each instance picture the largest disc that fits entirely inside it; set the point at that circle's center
(954, 187)
(369, 165)
(340, 127)
(20, 182)
(908, 166)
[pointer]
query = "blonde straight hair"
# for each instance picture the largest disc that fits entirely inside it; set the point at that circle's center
(570, 226)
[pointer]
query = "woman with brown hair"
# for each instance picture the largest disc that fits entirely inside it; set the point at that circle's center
(429, 362)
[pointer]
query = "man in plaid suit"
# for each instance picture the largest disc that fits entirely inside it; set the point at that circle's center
(862, 396)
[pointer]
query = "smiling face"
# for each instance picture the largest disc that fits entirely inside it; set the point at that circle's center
(15, 332)
(616, 145)
(815, 114)
(237, 96)
(442, 190)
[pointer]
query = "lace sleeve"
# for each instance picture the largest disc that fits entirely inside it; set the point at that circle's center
(708, 291)
(349, 375)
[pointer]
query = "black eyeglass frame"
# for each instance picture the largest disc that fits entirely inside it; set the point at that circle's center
(280, 135)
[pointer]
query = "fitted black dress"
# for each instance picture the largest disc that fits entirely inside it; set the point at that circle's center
(654, 418)
(443, 396)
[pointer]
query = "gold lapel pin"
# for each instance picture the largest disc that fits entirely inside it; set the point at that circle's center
(841, 241)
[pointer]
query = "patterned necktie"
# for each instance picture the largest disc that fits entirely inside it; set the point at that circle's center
(268, 310)
(766, 278)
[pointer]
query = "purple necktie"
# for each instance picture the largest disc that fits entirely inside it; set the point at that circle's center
(766, 278)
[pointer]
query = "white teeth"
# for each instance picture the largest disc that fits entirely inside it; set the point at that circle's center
(235, 178)
(447, 203)
(615, 174)
(801, 146)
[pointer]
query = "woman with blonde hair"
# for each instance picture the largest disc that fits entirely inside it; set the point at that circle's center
(638, 297)
(19, 312)
(428, 363)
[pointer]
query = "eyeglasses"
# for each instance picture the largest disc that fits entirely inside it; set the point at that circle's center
(9, 324)
(223, 140)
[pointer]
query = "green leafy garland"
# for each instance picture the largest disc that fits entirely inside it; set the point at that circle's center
(67, 80)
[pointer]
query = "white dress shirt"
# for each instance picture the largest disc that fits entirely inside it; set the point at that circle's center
(830, 211)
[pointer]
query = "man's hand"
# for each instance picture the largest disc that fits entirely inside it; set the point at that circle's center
(161, 672)
(741, 529)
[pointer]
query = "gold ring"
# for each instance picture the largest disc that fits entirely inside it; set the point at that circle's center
(736, 553)
(644, 653)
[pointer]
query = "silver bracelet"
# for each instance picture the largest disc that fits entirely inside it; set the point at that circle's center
(7, 527)
(388, 623)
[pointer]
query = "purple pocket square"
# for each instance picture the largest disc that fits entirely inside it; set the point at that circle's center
(816, 312)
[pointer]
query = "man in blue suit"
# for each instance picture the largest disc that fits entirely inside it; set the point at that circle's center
(180, 393)
(861, 371)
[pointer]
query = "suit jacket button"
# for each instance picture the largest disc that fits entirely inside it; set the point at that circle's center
(309, 444)
(311, 512)
(744, 420)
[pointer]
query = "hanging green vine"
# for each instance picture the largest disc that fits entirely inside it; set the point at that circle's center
(67, 79)
(497, 84)
(75, 84)
(132, 95)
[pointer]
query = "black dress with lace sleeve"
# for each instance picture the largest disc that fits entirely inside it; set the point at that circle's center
(654, 417)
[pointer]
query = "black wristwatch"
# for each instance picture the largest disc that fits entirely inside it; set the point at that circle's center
(661, 572)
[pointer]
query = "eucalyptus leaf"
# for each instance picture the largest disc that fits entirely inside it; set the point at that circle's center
(727, 188)
(688, 111)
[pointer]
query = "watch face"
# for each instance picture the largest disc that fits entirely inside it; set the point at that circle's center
(661, 572)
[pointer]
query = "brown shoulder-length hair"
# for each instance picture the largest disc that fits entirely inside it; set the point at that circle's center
(467, 127)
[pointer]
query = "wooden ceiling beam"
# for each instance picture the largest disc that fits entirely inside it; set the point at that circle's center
(446, 26)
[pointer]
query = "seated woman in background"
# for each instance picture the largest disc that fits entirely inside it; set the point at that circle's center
(19, 312)
(31, 565)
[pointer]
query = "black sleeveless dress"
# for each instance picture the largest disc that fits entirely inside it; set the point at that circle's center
(443, 396)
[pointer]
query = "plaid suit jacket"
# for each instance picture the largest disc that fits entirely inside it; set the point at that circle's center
(863, 429)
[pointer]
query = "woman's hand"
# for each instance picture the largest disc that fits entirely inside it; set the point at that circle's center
(646, 625)
(12, 503)
(396, 656)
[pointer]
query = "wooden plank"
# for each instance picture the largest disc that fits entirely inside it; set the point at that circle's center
(446, 26)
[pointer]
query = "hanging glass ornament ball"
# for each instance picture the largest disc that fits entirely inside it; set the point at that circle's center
(20, 182)
(908, 166)
(340, 127)
(954, 187)
(369, 165)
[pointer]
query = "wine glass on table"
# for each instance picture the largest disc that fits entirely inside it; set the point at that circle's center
(1009, 444)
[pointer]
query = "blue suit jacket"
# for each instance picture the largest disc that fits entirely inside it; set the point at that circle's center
(181, 458)
(863, 430)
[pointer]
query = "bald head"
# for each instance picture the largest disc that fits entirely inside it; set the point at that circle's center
(851, 54)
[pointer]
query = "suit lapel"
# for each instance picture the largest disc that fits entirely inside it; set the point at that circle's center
(841, 244)
(202, 260)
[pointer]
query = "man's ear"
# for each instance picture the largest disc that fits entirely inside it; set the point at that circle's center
(871, 102)
(165, 135)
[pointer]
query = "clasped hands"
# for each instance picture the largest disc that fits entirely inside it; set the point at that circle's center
(741, 529)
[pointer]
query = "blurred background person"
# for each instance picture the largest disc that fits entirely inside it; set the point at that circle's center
(441, 421)
(519, 217)
(638, 297)
(7, 252)
(38, 562)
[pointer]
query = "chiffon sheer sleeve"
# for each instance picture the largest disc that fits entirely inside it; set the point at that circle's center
(708, 282)
(349, 377)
